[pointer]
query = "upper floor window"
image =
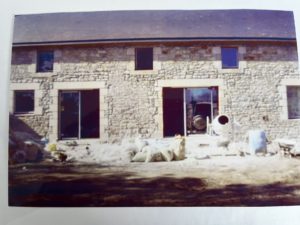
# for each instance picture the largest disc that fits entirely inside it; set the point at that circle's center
(293, 102)
(45, 61)
(229, 57)
(24, 101)
(143, 58)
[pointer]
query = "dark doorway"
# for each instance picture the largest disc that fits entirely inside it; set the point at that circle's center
(173, 113)
(187, 110)
(90, 114)
(69, 114)
(79, 114)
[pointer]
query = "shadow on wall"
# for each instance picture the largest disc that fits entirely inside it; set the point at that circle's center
(24, 142)
(20, 127)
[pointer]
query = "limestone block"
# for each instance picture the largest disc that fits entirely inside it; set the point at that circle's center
(140, 157)
(178, 147)
(167, 154)
(153, 154)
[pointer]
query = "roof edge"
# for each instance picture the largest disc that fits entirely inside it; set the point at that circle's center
(141, 40)
(140, 10)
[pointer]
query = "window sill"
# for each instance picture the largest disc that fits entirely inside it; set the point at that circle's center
(231, 70)
(24, 114)
(42, 74)
(228, 68)
(297, 119)
(80, 141)
(142, 72)
(240, 69)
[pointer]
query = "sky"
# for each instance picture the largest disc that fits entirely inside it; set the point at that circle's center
(207, 216)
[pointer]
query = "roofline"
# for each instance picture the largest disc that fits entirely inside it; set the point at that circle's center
(151, 10)
(155, 40)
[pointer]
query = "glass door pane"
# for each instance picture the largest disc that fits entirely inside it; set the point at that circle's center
(89, 116)
(201, 104)
(69, 114)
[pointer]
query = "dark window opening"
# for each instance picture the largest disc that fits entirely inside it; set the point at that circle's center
(24, 101)
(45, 61)
(144, 58)
(229, 58)
(293, 102)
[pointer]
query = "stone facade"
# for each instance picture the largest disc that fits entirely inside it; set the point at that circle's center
(131, 101)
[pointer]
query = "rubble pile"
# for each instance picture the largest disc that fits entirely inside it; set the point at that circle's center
(89, 153)
(25, 146)
(129, 150)
(24, 150)
(151, 153)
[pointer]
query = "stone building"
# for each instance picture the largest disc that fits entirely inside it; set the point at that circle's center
(116, 74)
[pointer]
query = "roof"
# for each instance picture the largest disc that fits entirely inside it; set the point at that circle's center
(155, 25)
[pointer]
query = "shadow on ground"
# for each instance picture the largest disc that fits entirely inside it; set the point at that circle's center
(85, 186)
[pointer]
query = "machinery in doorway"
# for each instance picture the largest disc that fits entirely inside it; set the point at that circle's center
(185, 110)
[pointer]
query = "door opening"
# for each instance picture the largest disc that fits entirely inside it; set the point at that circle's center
(79, 114)
(186, 110)
(173, 112)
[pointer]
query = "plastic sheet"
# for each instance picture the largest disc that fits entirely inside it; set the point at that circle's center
(257, 141)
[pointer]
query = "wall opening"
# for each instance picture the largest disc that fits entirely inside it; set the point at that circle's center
(293, 102)
(173, 112)
(186, 110)
(79, 114)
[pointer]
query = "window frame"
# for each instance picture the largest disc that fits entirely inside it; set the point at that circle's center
(38, 61)
(15, 102)
(136, 59)
(287, 102)
(237, 57)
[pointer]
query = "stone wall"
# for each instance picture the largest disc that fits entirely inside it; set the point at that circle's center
(251, 95)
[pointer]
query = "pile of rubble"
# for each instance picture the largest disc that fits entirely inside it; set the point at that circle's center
(26, 147)
(145, 152)
(23, 148)
(24, 144)
(129, 150)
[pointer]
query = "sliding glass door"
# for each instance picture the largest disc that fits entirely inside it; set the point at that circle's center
(69, 114)
(79, 114)
(89, 114)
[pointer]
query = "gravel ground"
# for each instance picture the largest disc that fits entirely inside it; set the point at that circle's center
(208, 181)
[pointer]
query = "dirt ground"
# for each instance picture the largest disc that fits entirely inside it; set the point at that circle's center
(215, 181)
